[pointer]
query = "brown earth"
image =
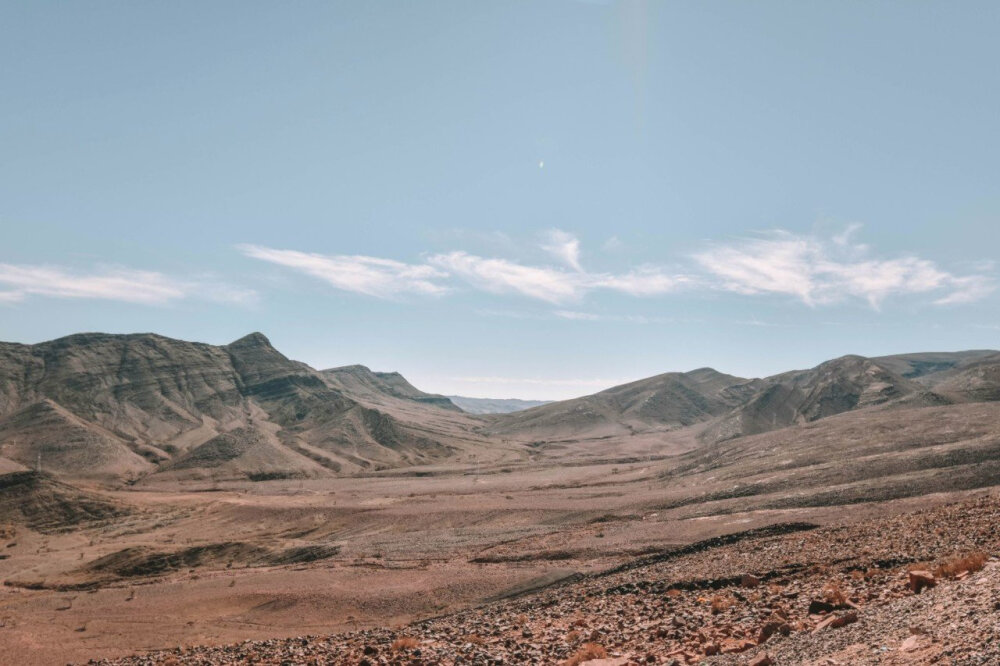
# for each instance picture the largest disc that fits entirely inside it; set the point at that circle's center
(202, 495)
(789, 594)
(212, 562)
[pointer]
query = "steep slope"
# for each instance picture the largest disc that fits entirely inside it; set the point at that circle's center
(494, 405)
(120, 406)
(664, 402)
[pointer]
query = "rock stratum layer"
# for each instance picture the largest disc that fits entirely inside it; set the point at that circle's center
(127, 407)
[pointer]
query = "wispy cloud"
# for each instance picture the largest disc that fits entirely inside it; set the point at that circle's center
(812, 269)
(819, 271)
(564, 246)
(383, 278)
(548, 284)
(501, 276)
(643, 281)
(110, 283)
(967, 289)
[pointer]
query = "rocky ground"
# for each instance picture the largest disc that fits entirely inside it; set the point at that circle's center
(920, 587)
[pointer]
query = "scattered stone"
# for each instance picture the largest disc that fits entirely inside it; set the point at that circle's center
(837, 621)
(660, 613)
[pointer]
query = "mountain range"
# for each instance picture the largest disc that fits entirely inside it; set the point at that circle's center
(142, 407)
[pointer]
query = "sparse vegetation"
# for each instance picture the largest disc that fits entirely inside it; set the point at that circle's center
(404, 643)
(832, 594)
(721, 603)
(956, 566)
(586, 653)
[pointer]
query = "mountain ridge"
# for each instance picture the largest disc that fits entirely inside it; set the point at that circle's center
(131, 407)
(123, 406)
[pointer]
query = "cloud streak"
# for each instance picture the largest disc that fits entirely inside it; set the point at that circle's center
(814, 270)
(382, 278)
(821, 272)
(552, 285)
(21, 281)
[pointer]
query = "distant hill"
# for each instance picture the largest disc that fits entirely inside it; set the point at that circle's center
(494, 405)
(855, 382)
(359, 381)
(735, 407)
(663, 402)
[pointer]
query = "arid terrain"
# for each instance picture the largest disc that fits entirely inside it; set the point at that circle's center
(158, 494)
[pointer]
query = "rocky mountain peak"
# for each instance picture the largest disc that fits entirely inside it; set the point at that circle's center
(255, 339)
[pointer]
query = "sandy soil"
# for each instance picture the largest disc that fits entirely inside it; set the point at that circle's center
(203, 563)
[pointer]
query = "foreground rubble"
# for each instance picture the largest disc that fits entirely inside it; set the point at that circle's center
(916, 588)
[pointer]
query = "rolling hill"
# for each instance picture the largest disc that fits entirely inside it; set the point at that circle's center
(732, 407)
(664, 402)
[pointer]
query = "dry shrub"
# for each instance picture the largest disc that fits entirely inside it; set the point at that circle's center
(720, 603)
(832, 594)
(586, 653)
(573, 636)
(673, 592)
(521, 619)
(404, 643)
(961, 564)
(473, 638)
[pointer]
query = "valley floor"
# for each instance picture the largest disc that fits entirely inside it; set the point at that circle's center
(90, 573)
(790, 594)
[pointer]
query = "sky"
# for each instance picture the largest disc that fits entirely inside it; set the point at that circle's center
(535, 199)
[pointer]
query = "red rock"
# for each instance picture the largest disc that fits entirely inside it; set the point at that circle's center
(762, 659)
(919, 580)
(735, 646)
(749, 580)
(836, 621)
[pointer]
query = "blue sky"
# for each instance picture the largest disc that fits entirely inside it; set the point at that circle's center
(506, 199)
